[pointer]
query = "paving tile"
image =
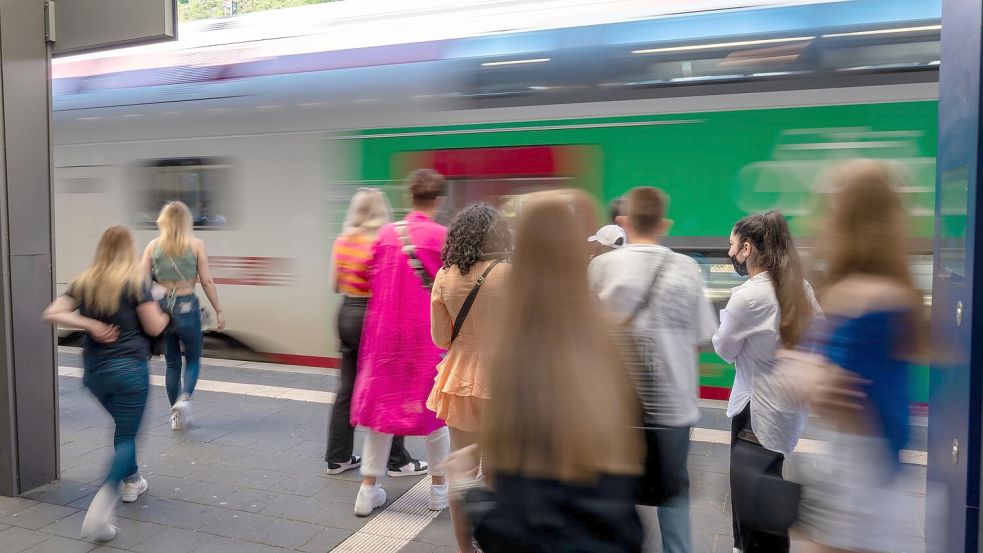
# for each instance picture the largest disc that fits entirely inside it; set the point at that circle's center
(234, 524)
(173, 540)
(260, 479)
(341, 515)
(307, 485)
(107, 549)
(11, 505)
(418, 547)
(61, 545)
(339, 490)
(293, 507)
(709, 463)
(438, 532)
(16, 540)
(62, 492)
(188, 516)
(703, 498)
(37, 516)
(249, 500)
(227, 545)
(135, 532)
(207, 493)
(289, 534)
(326, 540)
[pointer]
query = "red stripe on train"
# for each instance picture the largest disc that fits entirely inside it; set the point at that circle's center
(305, 360)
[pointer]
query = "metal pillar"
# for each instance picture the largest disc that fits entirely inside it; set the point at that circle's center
(956, 386)
(28, 374)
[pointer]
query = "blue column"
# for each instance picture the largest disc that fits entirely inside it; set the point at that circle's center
(956, 385)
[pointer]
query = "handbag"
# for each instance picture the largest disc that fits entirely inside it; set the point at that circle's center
(663, 458)
(762, 501)
(462, 315)
(410, 250)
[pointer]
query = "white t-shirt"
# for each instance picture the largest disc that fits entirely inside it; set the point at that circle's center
(678, 313)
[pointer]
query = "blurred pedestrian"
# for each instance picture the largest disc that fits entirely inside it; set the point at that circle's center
(560, 443)
(351, 267)
(774, 308)
(853, 496)
(178, 261)
(397, 359)
(607, 238)
(661, 292)
(465, 309)
(112, 303)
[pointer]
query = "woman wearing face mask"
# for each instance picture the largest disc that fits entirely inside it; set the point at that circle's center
(773, 309)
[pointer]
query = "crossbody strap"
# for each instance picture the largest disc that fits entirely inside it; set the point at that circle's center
(660, 268)
(463, 313)
(410, 250)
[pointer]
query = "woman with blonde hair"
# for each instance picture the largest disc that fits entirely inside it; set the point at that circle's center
(853, 498)
(178, 261)
(111, 302)
(351, 263)
(560, 444)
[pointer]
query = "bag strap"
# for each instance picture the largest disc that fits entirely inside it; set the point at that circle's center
(463, 313)
(660, 268)
(410, 250)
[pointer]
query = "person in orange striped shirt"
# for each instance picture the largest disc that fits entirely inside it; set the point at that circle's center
(351, 257)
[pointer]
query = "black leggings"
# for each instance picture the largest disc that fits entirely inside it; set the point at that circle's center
(746, 538)
(341, 434)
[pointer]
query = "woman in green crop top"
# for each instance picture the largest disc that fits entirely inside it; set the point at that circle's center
(178, 261)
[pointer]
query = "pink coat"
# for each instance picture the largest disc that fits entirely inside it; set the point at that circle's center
(397, 360)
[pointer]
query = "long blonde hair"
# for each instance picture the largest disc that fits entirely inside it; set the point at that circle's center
(114, 271)
(175, 223)
(367, 212)
(866, 233)
(563, 404)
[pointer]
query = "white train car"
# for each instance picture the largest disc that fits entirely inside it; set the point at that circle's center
(260, 132)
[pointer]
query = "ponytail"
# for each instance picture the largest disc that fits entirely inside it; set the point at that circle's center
(772, 241)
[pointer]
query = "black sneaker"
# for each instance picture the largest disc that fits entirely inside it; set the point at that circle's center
(338, 468)
(413, 468)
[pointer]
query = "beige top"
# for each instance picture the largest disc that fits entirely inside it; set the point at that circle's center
(462, 372)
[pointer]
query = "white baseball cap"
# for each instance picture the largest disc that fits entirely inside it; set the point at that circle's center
(611, 236)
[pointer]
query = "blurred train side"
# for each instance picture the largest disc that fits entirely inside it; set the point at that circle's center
(291, 147)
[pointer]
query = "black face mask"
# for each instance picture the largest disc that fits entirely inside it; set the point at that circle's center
(739, 268)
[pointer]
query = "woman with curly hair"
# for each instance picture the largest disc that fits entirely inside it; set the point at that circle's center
(478, 240)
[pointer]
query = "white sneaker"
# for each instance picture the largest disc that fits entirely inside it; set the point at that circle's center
(97, 524)
(368, 499)
(176, 420)
(413, 468)
(438, 497)
(133, 490)
(183, 409)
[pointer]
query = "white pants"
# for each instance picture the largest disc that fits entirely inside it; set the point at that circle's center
(375, 452)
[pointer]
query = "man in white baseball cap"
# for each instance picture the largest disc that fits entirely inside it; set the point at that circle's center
(607, 238)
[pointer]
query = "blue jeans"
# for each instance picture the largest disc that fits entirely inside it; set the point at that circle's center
(674, 514)
(184, 330)
(121, 386)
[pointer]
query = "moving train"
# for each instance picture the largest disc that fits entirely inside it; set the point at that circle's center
(266, 124)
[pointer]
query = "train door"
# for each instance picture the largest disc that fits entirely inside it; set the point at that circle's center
(85, 204)
(499, 176)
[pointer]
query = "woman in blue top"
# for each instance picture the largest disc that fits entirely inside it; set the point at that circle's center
(178, 261)
(852, 499)
(111, 302)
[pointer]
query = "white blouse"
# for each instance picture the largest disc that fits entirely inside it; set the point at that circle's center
(749, 337)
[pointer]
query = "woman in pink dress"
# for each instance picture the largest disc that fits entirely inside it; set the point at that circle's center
(397, 359)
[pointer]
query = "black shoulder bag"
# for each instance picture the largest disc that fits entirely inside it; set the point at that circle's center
(463, 313)
(663, 457)
(410, 250)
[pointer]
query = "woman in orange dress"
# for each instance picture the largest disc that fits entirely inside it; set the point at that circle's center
(478, 241)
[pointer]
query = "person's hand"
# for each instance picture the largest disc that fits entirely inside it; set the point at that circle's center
(840, 396)
(220, 317)
(103, 333)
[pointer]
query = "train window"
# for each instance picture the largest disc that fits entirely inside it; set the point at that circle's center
(201, 183)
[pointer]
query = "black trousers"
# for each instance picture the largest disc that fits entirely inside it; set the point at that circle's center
(341, 434)
(748, 539)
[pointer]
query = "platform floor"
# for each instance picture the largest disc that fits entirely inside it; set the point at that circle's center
(248, 478)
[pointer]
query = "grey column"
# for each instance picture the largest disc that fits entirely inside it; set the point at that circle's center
(28, 369)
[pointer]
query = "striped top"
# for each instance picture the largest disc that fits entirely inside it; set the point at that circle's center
(352, 255)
